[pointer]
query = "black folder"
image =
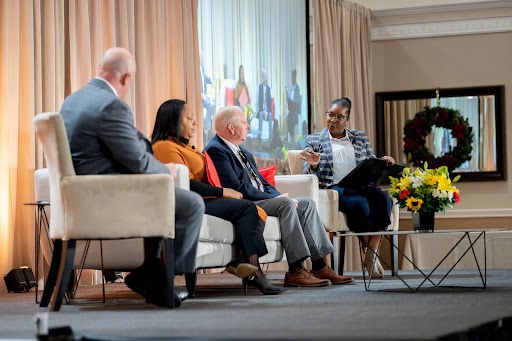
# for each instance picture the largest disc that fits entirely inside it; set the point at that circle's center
(371, 172)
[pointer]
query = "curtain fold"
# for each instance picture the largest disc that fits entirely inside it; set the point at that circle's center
(341, 61)
(52, 48)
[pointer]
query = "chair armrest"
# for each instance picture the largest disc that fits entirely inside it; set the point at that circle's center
(328, 209)
(182, 179)
(117, 206)
(395, 216)
(303, 185)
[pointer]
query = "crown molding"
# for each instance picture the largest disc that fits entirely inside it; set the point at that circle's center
(442, 28)
(443, 8)
(454, 213)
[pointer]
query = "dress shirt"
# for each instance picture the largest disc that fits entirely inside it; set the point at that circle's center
(343, 157)
(265, 97)
(110, 85)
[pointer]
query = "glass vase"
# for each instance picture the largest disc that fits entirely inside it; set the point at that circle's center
(423, 221)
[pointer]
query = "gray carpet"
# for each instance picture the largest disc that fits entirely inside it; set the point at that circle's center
(221, 311)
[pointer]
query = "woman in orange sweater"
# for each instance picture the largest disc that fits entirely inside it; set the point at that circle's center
(175, 125)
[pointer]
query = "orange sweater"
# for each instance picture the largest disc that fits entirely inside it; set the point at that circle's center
(176, 152)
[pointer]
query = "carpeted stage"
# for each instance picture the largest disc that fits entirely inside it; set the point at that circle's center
(221, 311)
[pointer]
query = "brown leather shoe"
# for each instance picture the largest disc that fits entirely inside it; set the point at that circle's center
(302, 278)
(328, 273)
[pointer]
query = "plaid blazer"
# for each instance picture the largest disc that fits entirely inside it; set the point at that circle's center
(321, 143)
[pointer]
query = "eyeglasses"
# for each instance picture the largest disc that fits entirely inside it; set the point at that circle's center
(333, 117)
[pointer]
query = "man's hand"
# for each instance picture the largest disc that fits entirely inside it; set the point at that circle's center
(231, 193)
(286, 195)
(172, 169)
(310, 157)
(389, 160)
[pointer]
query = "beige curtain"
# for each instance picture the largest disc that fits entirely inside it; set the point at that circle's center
(341, 61)
(52, 48)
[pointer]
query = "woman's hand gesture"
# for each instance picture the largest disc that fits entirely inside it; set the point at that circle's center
(310, 157)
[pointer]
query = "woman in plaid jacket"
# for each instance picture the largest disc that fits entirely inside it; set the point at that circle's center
(333, 153)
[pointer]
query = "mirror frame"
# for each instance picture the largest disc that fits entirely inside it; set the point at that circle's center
(499, 115)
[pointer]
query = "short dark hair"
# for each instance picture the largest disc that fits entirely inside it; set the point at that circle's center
(342, 102)
(167, 122)
(294, 72)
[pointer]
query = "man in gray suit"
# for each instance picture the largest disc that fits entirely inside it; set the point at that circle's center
(104, 140)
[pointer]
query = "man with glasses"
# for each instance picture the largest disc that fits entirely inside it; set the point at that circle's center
(332, 154)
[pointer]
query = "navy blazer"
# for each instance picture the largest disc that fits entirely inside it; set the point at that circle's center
(233, 175)
(260, 98)
(102, 135)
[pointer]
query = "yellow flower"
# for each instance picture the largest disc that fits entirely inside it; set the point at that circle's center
(444, 183)
(404, 183)
(413, 204)
(431, 179)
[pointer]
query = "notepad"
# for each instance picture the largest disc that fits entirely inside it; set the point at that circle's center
(371, 171)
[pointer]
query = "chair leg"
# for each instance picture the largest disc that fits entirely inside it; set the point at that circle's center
(333, 262)
(52, 274)
(190, 282)
(394, 254)
(168, 255)
(102, 272)
(341, 253)
(65, 271)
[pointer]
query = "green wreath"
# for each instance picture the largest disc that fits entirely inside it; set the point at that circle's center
(417, 129)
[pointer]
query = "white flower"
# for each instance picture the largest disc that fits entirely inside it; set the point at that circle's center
(416, 181)
(450, 196)
(436, 193)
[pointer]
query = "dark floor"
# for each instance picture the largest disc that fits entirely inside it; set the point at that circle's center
(221, 311)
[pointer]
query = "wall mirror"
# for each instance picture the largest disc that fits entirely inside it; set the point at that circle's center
(484, 108)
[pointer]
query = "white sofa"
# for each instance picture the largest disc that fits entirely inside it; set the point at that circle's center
(215, 248)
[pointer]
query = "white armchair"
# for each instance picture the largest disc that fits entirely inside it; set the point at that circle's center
(99, 207)
(335, 222)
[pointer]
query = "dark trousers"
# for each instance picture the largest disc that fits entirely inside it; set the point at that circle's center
(189, 209)
(368, 208)
(243, 214)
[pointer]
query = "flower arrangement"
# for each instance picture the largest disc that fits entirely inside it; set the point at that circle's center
(417, 129)
(424, 189)
(248, 112)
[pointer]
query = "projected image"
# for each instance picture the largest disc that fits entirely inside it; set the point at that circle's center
(253, 55)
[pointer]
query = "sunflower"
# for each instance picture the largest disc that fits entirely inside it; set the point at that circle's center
(413, 204)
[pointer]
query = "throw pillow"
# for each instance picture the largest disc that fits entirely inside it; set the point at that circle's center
(211, 172)
(268, 173)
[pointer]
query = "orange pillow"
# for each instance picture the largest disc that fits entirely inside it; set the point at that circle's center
(269, 173)
(211, 172)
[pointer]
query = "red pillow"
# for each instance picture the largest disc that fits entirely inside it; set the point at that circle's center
(211, 172)
(268, 173)
(230, 96)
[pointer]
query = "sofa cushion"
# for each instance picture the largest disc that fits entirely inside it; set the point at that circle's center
(217, 230)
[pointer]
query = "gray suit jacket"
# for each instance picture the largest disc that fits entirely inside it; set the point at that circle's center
(102, 134)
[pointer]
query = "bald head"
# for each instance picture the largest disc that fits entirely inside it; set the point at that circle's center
(118, 68)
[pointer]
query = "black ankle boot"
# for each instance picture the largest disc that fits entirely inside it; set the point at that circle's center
(261, 283)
